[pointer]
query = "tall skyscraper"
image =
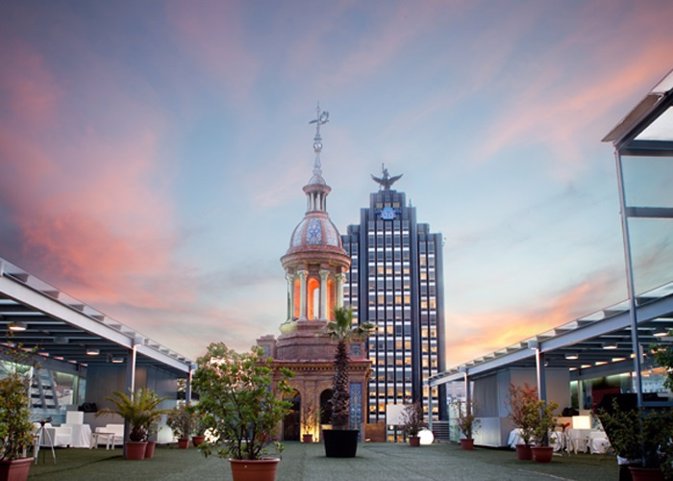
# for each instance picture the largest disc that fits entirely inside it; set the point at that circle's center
(396, 283)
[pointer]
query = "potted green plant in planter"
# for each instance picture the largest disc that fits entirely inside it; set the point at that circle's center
(241, 399)
(340, 441)
(151, 403)
(16, 430)
(138, 410)
(308, 422)
(181, 421)
(523, 413)
(412, 423)
(466, 423)
(642, 440)
(542, 451)
(199, 427)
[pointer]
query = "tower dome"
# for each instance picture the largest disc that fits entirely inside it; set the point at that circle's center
(315, 261)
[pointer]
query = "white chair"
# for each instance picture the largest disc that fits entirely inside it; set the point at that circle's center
(111, 435)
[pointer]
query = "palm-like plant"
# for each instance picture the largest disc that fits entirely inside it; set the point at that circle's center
(342, 330)
(140, 410)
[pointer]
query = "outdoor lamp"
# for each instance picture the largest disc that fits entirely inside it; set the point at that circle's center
(17, 326)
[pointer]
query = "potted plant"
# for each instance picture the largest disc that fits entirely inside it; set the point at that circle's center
(412, 423)
(466, 422)
(241, 399)
(199, 427)
(641, 439)
(340, 441)
(138, 410)
(181, 421)
(151, 403)
(308, 422)
(16, 430)
(523, 413)
(542, 451)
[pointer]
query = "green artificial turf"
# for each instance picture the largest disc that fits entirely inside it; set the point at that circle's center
(300, 462)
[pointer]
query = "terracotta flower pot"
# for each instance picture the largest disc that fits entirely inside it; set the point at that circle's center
(15, 470)
(197, 440)
(467, 444)
(307, 438)
(523, 452)
(646, 474)
(135, 450)
(542, 454)
(183, 443)
(254, 470)
(414, 441)
(149, 449)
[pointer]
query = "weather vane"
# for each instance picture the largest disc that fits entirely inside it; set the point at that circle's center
(322, 117)
(386, 181)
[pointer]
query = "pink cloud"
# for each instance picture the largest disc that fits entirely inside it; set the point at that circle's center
(30, 90)
(477, 333)
(91, 210)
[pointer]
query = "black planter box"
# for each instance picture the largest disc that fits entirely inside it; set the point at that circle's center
(340, 443)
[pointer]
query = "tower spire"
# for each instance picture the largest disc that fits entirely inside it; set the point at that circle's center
(322, 117)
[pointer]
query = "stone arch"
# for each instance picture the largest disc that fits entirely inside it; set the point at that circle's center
(326, 406)
(291, 421)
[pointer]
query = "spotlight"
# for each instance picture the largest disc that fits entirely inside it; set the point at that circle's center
(92, 351)
(17, 326)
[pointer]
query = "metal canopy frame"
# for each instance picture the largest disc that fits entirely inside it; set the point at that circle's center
(585, 337)
(61, 329)
(634, 137)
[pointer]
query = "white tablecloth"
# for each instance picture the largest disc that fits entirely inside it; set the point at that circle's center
(81, 435)
(573, 440)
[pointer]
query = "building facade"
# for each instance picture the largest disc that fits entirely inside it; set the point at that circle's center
(396, 283)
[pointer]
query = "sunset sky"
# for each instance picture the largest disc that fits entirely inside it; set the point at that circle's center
(153, 153)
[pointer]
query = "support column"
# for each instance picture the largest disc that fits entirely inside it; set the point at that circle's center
(468, 394)
(130, 387)
(541, 377)
(340, 289)
(324, 273)
(430, 407)
(630, 284)
(303, 275)
(290, 296)
(188, 387)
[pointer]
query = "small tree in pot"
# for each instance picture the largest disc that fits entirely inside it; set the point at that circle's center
(641, 439)
(340, 441)
(242, 403)
(466, 422)
(181, 421)
(412, 423)
(542, 452)
(308, 422)
(523, 411)
(16, 430)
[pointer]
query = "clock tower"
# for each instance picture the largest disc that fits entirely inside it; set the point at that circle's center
(315, 267)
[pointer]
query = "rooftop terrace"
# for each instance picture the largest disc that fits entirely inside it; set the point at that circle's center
(301, 462)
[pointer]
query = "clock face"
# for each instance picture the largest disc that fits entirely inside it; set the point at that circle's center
(388, 213)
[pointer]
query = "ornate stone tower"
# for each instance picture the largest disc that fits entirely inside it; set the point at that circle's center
(315, 265)
(316, 261)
